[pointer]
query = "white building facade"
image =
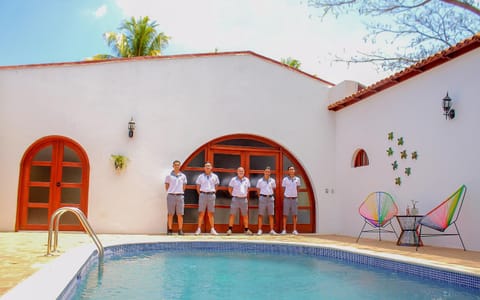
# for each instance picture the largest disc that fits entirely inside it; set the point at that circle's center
(62, 123)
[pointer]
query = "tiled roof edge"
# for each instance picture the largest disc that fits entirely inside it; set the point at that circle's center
(431, 62)
(162, 57)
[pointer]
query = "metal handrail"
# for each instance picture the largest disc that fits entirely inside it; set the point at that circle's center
(55, 222)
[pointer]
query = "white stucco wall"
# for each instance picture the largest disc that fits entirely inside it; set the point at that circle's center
(178, 104)
(447, 149)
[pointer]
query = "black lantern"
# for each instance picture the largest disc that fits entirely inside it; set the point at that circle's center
(131, 127)
(449, 113)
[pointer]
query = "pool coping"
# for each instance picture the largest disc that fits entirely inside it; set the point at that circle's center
(56, 276)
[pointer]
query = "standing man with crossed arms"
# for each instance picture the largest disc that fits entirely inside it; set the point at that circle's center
(238, 188)
(206, 187)
(175, 184)
(290, 184)
(266, 202)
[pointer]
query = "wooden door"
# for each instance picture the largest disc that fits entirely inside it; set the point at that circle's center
(54, 173)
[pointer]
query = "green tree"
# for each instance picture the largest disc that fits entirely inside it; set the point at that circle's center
(137, 37)
(291, 62)
(414, 29)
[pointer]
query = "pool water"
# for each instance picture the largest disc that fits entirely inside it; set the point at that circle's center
(237, 275)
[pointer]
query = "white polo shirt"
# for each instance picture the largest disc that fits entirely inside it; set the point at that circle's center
(176, 182)
(208, 183)
(290, 185)
(266, 187)
(240, 186)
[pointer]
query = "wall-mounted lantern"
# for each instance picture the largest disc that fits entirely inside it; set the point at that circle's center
(449, 113)
(131, 128)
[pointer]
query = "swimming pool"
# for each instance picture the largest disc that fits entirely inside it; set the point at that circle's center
(216, 255)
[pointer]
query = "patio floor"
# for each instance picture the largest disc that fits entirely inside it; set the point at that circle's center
(23, 253)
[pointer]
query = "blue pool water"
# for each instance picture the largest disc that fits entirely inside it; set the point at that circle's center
(251, 272)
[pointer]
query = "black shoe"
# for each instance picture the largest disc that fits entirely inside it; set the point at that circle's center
(169, 232)
(180, 232)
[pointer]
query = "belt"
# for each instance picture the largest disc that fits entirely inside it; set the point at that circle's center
(266, 195)
(208, 193)
(175, 194)
(239, 197)
(291, 198)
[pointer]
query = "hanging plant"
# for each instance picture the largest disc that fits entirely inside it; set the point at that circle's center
(119, 161)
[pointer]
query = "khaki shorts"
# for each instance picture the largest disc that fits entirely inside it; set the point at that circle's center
(290, 205)
(239, 203)
(175, 204)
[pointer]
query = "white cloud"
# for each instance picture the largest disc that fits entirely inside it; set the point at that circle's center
(101, 11)
(274, 28)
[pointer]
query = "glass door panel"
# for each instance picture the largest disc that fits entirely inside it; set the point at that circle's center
(226, 161)
(303, 199)
(69, 155)
(40, 173)
(69, 218)
(37, 215)
(71, 175)
(261, 162)
(37, 194)
(44, 154)
(70, 196)
(225, 177)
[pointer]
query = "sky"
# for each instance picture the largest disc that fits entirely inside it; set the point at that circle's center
(72, 30)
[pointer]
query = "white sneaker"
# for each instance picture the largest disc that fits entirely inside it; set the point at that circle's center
(213, 231)
(259, 232)
(283, 232)
(229, 232)
(294, 232)
(198, 231)
(248, 232)
(273, 232)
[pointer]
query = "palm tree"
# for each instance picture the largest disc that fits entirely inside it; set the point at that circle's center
(292, 62)
(137, 37)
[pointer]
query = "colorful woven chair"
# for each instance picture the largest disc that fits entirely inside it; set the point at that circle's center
(378, 211)
(444, 215)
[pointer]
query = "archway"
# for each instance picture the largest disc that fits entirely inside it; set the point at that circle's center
(254, 153)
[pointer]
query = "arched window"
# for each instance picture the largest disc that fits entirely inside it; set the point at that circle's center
(254, 153)
(360, 159)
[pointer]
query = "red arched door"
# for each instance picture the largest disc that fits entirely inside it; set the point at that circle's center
(54, 173)
(253, 153)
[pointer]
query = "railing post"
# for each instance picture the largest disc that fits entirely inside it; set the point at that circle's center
(55, 224)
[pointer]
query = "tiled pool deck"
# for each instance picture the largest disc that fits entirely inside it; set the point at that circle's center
(23, 253)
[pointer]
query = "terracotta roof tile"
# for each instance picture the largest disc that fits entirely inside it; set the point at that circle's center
(418, 68)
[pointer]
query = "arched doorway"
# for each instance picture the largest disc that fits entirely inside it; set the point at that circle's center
(253, 153)
(54, 173)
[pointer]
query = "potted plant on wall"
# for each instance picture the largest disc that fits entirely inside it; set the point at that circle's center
(119, 161)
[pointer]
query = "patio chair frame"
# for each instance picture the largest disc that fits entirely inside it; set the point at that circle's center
(454, 220)
(378, 228)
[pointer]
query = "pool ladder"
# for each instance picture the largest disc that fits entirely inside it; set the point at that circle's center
(55, 222)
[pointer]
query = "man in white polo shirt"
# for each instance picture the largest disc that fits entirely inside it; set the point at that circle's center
(290, 184)
(238, 188)
(175, 184)
(266, 202)
(206, 187)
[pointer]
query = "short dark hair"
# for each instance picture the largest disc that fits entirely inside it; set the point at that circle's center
(207, 163)
(291, 167)
(268, 168)
(176, 161)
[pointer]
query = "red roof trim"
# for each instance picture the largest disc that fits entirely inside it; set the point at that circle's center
(418, 68)
(177, 56)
